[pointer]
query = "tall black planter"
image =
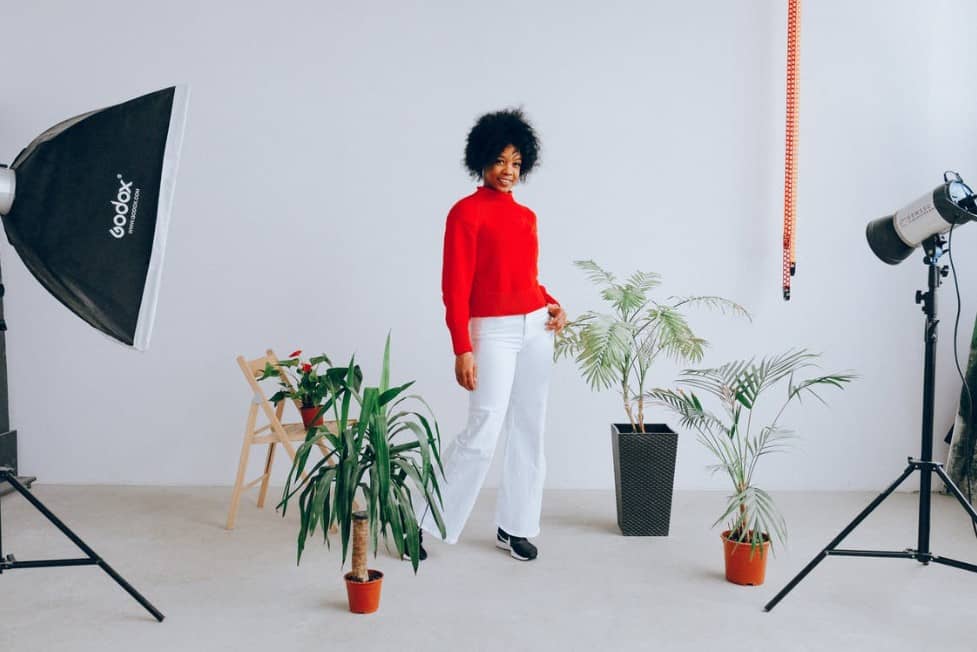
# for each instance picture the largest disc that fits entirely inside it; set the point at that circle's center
(644, 474)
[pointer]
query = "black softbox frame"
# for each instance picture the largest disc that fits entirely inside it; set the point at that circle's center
(91, 207)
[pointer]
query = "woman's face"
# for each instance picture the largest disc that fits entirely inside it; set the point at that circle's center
(504, 173)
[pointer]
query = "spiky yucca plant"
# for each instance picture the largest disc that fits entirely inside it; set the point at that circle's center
(731, 436)
(388, 448)
(619, 348)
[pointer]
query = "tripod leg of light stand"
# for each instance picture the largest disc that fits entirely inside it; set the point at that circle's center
(838, 539)
(955, 490)
(967, 507)
(93, 558)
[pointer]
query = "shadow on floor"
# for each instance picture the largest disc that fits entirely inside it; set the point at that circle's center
(335, 604)
(580, 523)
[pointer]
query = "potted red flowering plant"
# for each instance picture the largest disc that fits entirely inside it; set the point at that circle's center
(300, 381)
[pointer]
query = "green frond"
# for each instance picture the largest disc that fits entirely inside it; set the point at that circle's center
(643, 282)
(569, 341)
(773, 369)
(760, 517)
(726, 383)
(595, 273)
(687, 407)
(386, 455)
(735, 444)
(604, 346)
(832, 380)
(724, 306)
(674, 336)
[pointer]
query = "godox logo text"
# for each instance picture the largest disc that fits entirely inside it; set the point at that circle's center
(121, 205)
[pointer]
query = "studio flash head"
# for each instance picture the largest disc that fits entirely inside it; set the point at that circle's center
(894, 237)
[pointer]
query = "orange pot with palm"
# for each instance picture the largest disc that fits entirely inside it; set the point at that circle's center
(746, 563)
(738, 443)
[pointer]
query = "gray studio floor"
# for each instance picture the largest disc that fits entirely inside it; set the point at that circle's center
(590, 589)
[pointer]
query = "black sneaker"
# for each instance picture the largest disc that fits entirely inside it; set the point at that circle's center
(519, 547)
(421, 552)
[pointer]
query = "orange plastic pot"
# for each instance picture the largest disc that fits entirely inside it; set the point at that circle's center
(308, 414)
(743, 565)
(364, 597)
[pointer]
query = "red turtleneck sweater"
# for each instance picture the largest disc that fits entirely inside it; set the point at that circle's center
(490, 262)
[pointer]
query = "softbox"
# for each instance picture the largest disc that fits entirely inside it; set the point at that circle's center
(90, 209)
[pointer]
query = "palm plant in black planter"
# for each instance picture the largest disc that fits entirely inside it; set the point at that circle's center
(388, 451)
(618, 349)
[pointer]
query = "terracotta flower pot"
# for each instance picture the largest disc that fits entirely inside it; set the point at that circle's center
(743, 565)
(308, 414)
(364, 597)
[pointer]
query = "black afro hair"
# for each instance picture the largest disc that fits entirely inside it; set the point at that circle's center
(492, 133)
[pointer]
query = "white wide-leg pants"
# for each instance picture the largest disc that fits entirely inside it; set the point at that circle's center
(514, 356)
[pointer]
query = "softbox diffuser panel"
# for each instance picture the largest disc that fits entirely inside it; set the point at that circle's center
(92, 209)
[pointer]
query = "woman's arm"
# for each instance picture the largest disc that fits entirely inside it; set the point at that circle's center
(457, 273)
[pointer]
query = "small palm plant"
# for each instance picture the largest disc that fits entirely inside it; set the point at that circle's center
(378, 456)
(732, 438)
(620, 348)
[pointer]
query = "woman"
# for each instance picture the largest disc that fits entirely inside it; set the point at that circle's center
(502, 323)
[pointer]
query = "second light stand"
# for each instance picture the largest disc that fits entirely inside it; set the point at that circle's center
(934, 248)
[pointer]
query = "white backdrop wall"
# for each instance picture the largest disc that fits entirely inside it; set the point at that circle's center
(323, 152)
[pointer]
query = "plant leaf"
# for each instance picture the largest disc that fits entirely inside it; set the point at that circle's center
(594, 272)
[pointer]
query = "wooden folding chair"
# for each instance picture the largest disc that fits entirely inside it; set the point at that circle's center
(272, 433)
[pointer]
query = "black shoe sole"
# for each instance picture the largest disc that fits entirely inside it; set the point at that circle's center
(406, 557)
(421, 556)
(504, 545)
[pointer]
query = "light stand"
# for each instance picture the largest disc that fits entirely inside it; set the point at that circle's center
(8, 437)
(933, 247)
(100, 186)
(8, 562)
(9, 481)
(21, 485)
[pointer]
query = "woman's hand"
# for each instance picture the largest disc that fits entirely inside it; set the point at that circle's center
(466, 371)
(558, 317)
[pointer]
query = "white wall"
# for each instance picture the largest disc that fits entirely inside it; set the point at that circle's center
(323, 151)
